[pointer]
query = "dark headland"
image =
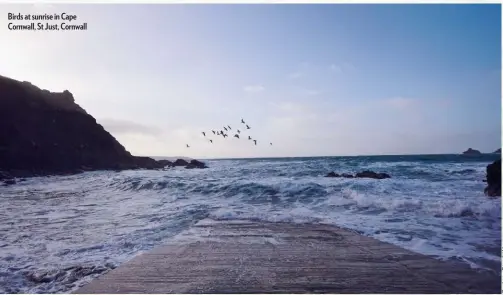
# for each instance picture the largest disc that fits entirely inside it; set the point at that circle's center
(48, 133)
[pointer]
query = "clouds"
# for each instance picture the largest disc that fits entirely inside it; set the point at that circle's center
(338, 91)
(295, 75)
(254, 89)
(401, 103)
(116, 126)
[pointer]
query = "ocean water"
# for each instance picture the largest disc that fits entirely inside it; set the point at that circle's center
(57, 233)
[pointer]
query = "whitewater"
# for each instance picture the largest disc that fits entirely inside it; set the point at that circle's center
(57, 233)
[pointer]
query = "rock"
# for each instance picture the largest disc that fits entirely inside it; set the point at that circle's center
(147, 163)
(493, 179)
(71, 142)
(180, 162)
(364, 174)
(196, 164)
(9, 181)
(498, 151)
(332, 174)
(5, 175)
(472, 152)
(165, 163)
(372, 174)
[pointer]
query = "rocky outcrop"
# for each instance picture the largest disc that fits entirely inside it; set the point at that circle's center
(493, 179)
(45, 133)
(364, 174)
(371, 174)
(472, 152)
(195, 164)
(498, 151)
(180, 162)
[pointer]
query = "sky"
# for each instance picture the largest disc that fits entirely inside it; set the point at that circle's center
(313, 80)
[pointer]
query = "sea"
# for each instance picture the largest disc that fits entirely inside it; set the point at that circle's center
(58, 233)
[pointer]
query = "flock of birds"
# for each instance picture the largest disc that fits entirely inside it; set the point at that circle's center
(225, 135)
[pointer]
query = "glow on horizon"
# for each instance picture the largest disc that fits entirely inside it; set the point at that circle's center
(313, 80)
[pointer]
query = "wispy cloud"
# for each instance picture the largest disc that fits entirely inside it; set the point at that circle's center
(116, 126)
(295, 75)
(254, 88)
(335, 68)
(400, 102)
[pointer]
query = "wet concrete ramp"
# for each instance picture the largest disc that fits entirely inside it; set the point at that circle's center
(258, 257)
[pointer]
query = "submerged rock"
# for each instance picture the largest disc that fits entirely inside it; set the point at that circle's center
(472, 152)
(493, 179)
(364, 174)
(196, 164)
(332, 174)
(372, 174)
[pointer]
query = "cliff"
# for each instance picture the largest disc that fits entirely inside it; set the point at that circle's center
(43, 132)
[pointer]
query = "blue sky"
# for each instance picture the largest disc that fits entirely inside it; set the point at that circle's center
(313, 79)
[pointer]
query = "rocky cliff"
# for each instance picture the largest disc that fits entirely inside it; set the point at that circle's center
(43, 133)
(493, 179)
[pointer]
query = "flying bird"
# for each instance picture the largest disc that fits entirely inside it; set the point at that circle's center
(225, 135)
(211, 141)
(188, 146)
(239, 131)
(229, 127)
(204, 134)
(270, 143)
(255, 141)
(249, 137)
(226, 129)
(237, 136)
(213, 131)
(242, 121)
(247, 127)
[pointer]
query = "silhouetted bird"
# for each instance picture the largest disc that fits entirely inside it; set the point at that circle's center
(204, 134)
(236, 135)
(218, 132)
(239, 131)
(255, 141)
(247, 127)
(270, 143)
(242, 121)
(225, 135)
(188, 146)
(211, 141)
(213, 131)
(249, 137)
(226, 129)
(229, 127)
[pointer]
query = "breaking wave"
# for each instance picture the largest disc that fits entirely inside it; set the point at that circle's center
(60, 232)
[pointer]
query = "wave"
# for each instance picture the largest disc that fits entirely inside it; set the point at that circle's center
(54, 225)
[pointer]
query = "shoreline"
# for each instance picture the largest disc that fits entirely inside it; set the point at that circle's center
(264, 257)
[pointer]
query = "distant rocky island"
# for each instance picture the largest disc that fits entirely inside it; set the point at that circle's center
(472, 152)
(498, 151)
(47, 133)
